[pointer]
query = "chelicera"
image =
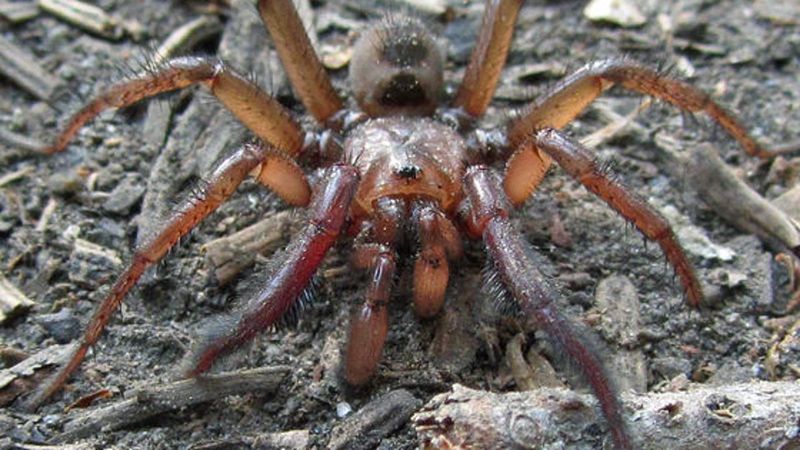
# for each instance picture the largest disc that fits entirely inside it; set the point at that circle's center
(402, 171)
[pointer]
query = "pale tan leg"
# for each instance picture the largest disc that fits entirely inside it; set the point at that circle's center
(488, 57)
(261, 113)
(307, 75)
(526, 167)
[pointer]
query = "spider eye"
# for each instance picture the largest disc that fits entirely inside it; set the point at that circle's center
(396, 69)
(405, 51)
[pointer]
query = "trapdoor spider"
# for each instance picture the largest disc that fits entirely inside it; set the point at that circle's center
(398, 163)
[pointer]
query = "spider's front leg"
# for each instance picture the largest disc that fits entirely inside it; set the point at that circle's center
(291, 276)
(512, 258)
(216, 187)
(257, 110)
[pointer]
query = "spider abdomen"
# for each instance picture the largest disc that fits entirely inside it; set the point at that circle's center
(406, 157)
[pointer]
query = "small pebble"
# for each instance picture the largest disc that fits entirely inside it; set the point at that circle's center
(62, 326)
(619, 12)
(343, 409)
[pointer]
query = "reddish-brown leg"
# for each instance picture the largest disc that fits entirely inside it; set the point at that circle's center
(438, 240)
(306, 73)
(217, 187)
(369, 324)
(571, 96)
(512, 258)
(488, 57)
(579, 163)
(329, 209)
(262, 114)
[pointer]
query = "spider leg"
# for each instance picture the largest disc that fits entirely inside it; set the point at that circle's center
(488, 57)
(257, 110)
(218, 186)
(579, 163)
(439, 240)
(571, 96)
(513, 259)
(306, 73)
(329, 209)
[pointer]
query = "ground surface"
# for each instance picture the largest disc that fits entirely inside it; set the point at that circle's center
(111, 181)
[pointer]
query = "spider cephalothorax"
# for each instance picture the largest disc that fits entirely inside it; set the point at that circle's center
(402, 162)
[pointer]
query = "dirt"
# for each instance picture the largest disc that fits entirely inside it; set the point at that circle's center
(121, 170)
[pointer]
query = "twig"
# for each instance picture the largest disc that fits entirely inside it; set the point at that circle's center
(187, 36)
(16, 140)
(152, 400)
(14, 176)
(79, 446)
(285, 439)
(84, 16)
(22, 68)
(746, 415)
(617, 124)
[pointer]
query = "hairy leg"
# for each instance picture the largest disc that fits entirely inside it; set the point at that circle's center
(512, 258)
(261, 113)
(488, 57)
(308, 77)
(217, 187)
(574, 93)
(329, 209)
(579, 163)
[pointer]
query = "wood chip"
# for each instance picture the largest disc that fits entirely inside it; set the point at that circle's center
(532, 372)
(18, 12)
(365, 429)
(20, 67)
(728, 196)
(86, 17)
(12, 301)
(229, 255)
(789, 202)
(27, 374)
(617, 298)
